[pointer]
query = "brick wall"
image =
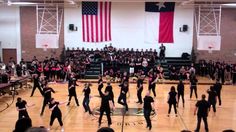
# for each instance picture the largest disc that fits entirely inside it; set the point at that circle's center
(28, 31)
(228, 39)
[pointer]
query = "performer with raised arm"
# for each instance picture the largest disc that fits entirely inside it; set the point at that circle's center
(106, 106)
(47, 95)
(72, 88)
(56, 112)
(86, 100)
(123, 92)
(36, 84)
(21, 106)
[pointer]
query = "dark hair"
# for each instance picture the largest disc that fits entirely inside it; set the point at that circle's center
(105, 129)
(18, 99)
(212, 88)
(203, 96)
(172, 89)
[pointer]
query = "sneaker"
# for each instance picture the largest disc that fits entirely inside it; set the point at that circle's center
(48, 129)
(62, 130)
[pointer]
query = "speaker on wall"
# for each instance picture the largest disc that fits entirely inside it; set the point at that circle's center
(185, 28)
(71, 27)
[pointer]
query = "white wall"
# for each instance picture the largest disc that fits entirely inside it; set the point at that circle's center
(10, 29)
(127, 27)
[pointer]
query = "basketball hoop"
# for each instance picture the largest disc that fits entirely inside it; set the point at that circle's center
(45, 46)
(210, 49)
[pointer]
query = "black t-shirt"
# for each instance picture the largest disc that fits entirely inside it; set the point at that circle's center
(218, 87)
(101, 85)
(180, 88)
(109, 89)
(212, 97)
(147, 102)
(36, 81)
(172, 97)
(105, 100)
(56, 110)
(203, 107)
(87, 92)
(124, 89)
(21, 104)
(139, 82)
(47, 92)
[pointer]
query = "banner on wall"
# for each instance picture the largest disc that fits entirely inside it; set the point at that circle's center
(159, 22)
(208, 42)
(47, 41)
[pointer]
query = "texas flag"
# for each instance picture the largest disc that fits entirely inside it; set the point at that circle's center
(159, 20)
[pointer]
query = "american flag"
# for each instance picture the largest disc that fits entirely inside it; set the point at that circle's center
(96, 21)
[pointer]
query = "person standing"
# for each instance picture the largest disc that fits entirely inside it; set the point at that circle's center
(124, 90)
(100, 82)
(172, 100)
(56, 113)
(47, 96)
(110, 91)
(218, 87)
(202, 110)
(147, 108)
(86, 100)
(193, 86)
(180, 90)
(106, 106)
(72, 89)
(139, 89)
(162, 52)
(21, 106)
(212, 98)
(36, 84)
(152, 83)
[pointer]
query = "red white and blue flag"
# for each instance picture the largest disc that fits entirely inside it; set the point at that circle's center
(159, 22)
(96, 21)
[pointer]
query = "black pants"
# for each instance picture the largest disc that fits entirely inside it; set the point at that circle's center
(59, 118)
(34, 88)
(23, 114)
(153, 88)
(139, 95)
(76, 100)
(147, 114)
(213, 106)
(219, 97)
(170, 105)
(45, 102)
(162, 56)
(108, 113)
(86, 105)
(199, 118)
(124, 103)
(182, 96)
(193, 88)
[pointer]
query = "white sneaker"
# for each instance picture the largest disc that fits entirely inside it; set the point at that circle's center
(48, 129)
(62, 129)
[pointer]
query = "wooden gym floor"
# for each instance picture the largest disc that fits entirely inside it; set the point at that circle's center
(75, 120)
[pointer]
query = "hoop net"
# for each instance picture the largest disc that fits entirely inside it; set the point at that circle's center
(45, 47)
(210, 48)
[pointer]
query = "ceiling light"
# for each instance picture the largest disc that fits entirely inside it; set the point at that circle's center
(21, 3)
(230, 4)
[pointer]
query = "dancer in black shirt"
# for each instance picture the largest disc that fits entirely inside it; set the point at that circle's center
(21, 106)
(212, 98)
(202, 109)
(180, 89)
(106, 106)
(86, 100)
(218, 88)
(147, 108)
(47, 96)
(56, 112)
(100, 82)
(139, 89)
(193, 86)
(111, 94)
(124, 90)
(36, 84)
(72, 89)
(172, 100)
(152, 83)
